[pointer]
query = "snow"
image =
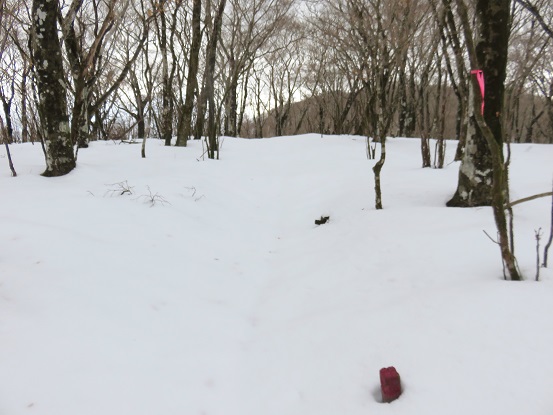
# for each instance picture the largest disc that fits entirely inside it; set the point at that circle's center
(224, 297)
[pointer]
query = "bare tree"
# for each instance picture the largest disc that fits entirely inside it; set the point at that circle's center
(490, 52)
(15, 69)
(341, 80)
(207, 96)
(5, 133)
(528, 49)
(185, 118)
(135, 96)
(92, 32)
(252, 29)
(284, 65)
(476, 172)
(51, 87)
(84, 58)
(384, 56)
(452, 41)
(166, 29)
(261, 106)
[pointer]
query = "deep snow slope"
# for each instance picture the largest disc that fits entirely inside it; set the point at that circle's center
(209, 290)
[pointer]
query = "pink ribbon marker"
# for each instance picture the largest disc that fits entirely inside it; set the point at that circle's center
(480, 78)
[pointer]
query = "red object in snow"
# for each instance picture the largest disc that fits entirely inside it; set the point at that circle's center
(390, 384)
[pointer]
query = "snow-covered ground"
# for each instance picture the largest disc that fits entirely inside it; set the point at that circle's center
(224, 297)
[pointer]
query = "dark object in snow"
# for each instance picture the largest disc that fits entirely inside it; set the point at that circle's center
(390, 384)
(322, 221)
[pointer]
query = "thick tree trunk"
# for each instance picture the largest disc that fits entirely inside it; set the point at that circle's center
(232, 100)
(141, 104)
(201, 110)
(80, 118)
(461, 127)
(166, 94)
(51, 87)
(245, 83)
(407, 115)
(476, 171)
(141, 124)
(212, 128)
(185, 120)
(494, 24)
(475, 174)
(452, 37)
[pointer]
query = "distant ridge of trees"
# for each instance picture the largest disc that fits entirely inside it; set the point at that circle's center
(318, 115)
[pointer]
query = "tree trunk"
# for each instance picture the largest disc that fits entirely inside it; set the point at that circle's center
(80, 118)
(3, 136)
(24, 117)
(494, 22)
(201, 110)
(51, 87)
(377, 169)
(166, 94)
(425, 121)
(185, 121)
(7, 104)
(550, 240)
(460, 87)
(213, 139)
(8, 113)
(141, 124)
(476, 171)
(232, 100)
(141, 104)
(245, 83)
(461, 127)
(407, 114)
(475, 181)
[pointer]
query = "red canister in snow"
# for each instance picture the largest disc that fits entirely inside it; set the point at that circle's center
(390, 384)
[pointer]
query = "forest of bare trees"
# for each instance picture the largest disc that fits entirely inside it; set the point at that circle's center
(72, 71)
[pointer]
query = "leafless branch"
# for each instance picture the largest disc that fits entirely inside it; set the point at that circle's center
(120, 189)
(529, 198)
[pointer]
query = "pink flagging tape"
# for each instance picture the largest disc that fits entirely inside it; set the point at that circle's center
(480, 78)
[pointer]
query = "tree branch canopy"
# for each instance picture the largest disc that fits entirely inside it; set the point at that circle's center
(533, 10)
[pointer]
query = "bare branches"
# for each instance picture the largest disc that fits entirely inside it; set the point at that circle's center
(120, 189)
(153, 198)
(529, 198)
(124, 188)
(534, 11)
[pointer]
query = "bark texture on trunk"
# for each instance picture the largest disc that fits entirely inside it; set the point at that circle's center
(213, 136)
(476, 171)
(51, 86)
(185, 119)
